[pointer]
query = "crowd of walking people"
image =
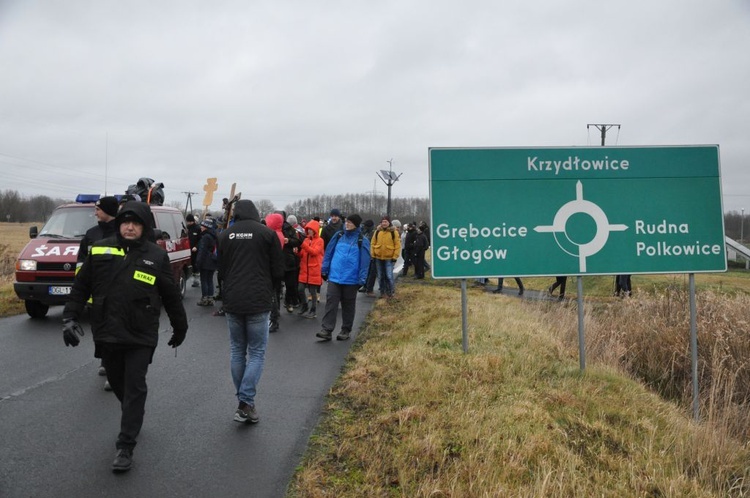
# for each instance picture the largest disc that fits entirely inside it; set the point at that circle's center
(260, 265)
(304, 246)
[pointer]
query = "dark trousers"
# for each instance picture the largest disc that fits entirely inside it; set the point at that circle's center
(408, 261)
(418, 260)
(276, 303)
(291, 296)
(313, 295)
(622, 284)
(559, 282)
(519, 283)
(207, 283)
(126, 372)
(347, 296)
(372, 276)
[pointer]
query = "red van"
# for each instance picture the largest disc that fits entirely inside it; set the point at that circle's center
(45, 269)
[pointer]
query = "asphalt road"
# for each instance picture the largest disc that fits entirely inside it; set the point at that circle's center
(58, 426)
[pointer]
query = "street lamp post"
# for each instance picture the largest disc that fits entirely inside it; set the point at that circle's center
(389, 178)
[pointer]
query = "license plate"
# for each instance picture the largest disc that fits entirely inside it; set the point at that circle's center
(55, 290)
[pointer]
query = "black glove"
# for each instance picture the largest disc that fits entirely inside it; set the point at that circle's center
(71, 327)
(176, 340)
(325, 276)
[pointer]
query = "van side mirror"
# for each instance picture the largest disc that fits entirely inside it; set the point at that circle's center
(33, 232)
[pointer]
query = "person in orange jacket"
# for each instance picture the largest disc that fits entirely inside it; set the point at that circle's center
(311, 261)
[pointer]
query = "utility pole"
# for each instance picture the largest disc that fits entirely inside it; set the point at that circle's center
(742, 226)
(603, 128)
(391, 179)
(189, 202)
(373, 193)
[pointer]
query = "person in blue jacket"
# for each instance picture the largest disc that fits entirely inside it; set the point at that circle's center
(345, 266)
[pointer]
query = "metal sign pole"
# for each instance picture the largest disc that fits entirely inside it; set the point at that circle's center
(694, 345)
(464, 317)
(581, 343)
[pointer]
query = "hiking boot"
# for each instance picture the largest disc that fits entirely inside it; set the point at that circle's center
(203, 302)
(303, 309)
(370, 294)
(107, 387)
(123, 460)
(311, 314)
(499, 290)
(343, 335)
(246, 414)
(274, 327)
(289, 308)
(324, 334)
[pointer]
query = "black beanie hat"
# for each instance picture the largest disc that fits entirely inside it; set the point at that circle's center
(355, 218)
(108, 204)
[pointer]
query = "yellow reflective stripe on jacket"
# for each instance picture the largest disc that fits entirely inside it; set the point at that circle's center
(107, 250)
(144, 277)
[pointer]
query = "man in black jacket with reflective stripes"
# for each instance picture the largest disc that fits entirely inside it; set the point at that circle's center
(129, 278)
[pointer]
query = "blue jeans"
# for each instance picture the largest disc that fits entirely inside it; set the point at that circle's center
(248, 336)
(385, 276)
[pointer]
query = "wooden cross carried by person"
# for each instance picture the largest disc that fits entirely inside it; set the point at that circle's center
(210, 187)
(228, 207)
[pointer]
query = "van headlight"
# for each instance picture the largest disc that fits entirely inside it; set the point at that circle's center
(27, 264)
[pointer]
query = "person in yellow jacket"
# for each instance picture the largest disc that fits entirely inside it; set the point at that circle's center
(385, 248)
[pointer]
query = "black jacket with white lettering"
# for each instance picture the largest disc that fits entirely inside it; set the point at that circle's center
(128, 282)
(250, 262)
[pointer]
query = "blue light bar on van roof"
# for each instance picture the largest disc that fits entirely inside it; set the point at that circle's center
(87, 198)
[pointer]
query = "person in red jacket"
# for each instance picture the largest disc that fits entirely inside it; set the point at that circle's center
(311, 261)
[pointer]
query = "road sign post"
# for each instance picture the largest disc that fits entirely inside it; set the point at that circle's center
(514, 212)
(575, 211)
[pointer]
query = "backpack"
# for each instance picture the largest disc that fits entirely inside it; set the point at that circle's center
(340, 234)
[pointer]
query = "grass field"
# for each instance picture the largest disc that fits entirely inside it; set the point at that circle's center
(413, 415)
(13, 237)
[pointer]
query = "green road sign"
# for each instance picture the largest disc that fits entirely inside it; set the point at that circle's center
(575, 211)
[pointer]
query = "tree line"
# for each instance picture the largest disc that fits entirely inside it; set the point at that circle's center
(17, 208)
(368, 206)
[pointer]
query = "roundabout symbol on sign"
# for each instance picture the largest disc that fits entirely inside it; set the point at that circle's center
(603, 228)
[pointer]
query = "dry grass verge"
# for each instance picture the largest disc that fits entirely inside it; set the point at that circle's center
(412, 415)
(13, 237)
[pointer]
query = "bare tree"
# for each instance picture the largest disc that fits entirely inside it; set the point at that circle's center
(264, 207)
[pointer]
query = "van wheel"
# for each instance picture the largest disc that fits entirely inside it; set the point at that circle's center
(182, 284)
(36, 309)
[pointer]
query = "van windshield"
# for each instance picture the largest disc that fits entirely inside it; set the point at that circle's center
(69, 222)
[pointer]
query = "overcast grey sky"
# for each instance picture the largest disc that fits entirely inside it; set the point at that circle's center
(291, 99)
